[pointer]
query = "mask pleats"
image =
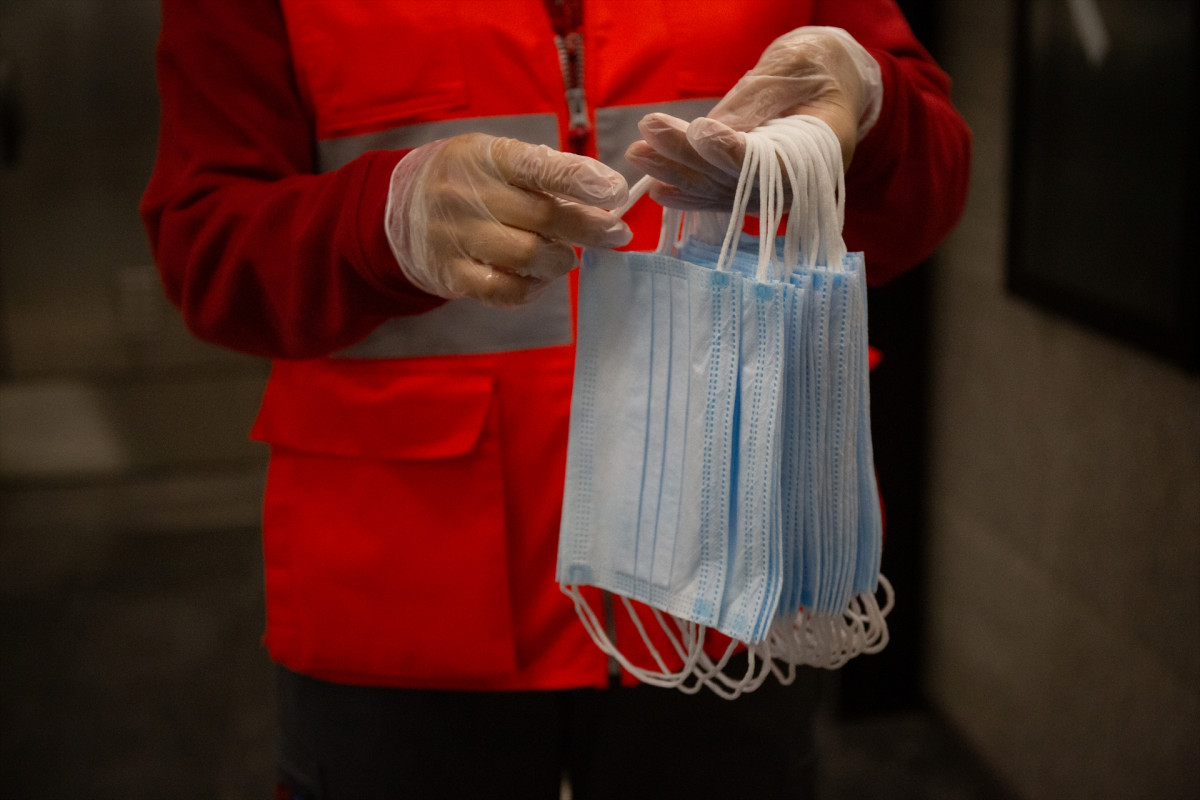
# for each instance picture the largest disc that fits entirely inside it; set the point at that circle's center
(720, 473)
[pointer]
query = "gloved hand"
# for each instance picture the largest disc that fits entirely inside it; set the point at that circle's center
(822, 72)
(494, 219)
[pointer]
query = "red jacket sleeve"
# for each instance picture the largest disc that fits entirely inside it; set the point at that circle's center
(907, 184)
(260, 254)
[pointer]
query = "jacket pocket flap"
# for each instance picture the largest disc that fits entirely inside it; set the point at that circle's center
(373, 409)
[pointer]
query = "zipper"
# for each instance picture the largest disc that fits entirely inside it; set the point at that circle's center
(570, 56)
(567, 18)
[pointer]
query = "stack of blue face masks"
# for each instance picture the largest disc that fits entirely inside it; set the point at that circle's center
(719, 464)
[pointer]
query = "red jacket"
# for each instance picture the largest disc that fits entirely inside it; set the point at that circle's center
(418, 447)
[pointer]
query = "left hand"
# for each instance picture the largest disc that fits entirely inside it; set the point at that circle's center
(822, 72)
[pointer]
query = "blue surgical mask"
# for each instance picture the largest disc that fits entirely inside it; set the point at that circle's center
(646, 510)
(755, 561)
(719, 464)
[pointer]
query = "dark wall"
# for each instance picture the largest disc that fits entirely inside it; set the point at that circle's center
(899, 327)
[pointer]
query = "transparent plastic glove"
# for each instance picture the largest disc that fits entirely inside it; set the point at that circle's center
(494, 219)
(822, 72)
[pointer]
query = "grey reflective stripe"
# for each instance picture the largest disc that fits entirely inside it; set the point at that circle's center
(460, 327)
(616, 128)
(535, 128)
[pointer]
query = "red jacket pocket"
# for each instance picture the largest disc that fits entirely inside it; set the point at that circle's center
(384, 523)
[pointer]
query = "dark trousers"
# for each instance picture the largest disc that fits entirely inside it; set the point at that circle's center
(337, 741)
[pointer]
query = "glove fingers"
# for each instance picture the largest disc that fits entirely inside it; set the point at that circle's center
(567, 175)
(491, 284)
(558, 219)
(687, 177)
(667, 171)
(671, 196)
(523, 253)
(696, 165)
(517, 251)
(668, 137)
(510, 267)
(499, 265)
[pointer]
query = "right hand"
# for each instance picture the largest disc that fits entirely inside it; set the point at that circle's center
(812, 71)
(495, 219)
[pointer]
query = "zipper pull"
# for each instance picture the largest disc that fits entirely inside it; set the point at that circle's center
(570, 55)
(577, 120)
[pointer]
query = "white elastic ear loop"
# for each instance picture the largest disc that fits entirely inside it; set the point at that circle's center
(879, 615)
(829, 641)
(692, 635)
(813, 219)
(770, 209)
(775, 643)
(708, 226)
(689, 660)
(797, 634)
(855, 628)
(713, 675)
(721, 684)
(665, 680)
(670, 232)
(755, 675)
(788, 645)
(741, 199)
(787, 153)
(697, 662)
(836, 167)
(823, 160)
(600, 637)
(668, 236)
(832, 200)
(823, 209)
(793, 137)
(694, 638)
(793, 144)
(636, 192)
(671, 218)
(769, 185)
(824, 156)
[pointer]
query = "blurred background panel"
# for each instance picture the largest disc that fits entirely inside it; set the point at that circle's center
(1063, 562)
(130, 597)
(1106, 173)
(86, 335)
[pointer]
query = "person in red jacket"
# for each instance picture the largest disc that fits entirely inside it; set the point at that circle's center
(384, 198)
